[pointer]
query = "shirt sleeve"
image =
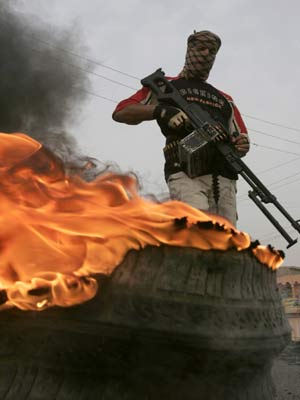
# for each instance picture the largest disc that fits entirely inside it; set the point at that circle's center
(142, 96)
(237, 120)
(236, 123)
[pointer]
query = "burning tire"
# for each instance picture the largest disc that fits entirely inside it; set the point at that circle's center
(170, 323)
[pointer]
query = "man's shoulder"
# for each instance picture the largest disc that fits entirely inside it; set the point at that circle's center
(202, 84)
(226, 95)
(173, 78)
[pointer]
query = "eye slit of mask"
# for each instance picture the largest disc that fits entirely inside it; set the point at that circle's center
(212, 50)
(200, 47)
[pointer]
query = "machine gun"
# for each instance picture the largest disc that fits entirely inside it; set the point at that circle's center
(206, 130)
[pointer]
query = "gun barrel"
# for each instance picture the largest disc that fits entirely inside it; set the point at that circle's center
(272, 219)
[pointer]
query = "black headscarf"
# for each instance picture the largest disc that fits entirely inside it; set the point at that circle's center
(198, 65)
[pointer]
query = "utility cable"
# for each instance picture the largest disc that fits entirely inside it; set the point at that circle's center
(84, 58)
(98, 63)
(273, 185)
(278, 166)
(274, 136)
(275, 149)
(272, 123)
(88, 71)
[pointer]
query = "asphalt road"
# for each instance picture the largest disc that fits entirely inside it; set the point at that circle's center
(286, 373)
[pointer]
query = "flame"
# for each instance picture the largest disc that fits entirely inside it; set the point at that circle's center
(57, 231)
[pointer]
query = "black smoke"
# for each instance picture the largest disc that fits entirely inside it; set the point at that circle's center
(41, 88)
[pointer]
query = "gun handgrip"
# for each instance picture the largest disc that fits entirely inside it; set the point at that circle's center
(150, 79)
(156, 81)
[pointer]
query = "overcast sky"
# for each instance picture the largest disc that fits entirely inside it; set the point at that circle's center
(258, 65)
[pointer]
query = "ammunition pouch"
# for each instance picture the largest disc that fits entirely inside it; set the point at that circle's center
(171, 151)
(195, 164)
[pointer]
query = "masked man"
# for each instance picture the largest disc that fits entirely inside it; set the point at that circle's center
(214, 188)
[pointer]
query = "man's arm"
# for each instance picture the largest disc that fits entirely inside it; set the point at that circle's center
(136, 108)
(134, 114)
(239, 138)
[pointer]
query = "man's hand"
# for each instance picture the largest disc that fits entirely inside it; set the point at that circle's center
(241, 144)
(172, 117)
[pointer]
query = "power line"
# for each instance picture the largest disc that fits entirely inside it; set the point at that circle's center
(288, 183)
(100, 96)
(272, 123)
(88, 71)
(274, 136)
(98, 63)
(244, 196)
(273, 185)
(84, 58)
(283, 179)
(279, 165)
(275, 149)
